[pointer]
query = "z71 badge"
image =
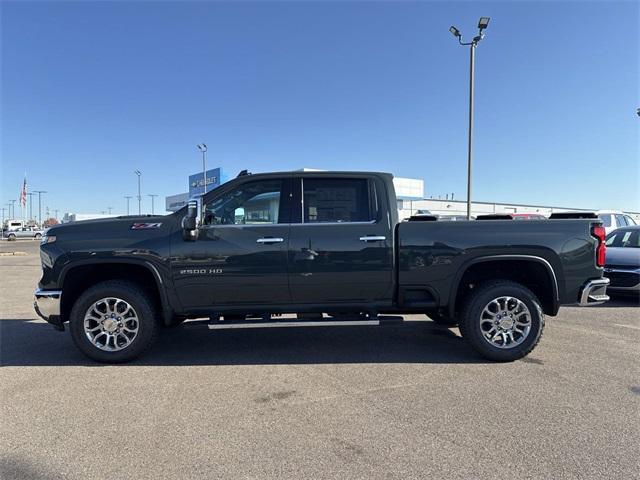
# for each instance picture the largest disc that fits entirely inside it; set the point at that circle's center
(145, 226)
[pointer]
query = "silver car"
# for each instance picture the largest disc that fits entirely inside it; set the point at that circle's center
(622, 265)
(24, 232)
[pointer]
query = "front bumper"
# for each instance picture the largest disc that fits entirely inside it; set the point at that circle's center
(47, 305)
(594, 292)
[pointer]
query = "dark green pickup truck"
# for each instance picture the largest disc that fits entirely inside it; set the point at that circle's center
(326, 246)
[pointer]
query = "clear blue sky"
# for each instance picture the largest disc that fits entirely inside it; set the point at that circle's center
(92, 91)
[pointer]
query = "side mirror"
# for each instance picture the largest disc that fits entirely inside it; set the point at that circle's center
(191, 221)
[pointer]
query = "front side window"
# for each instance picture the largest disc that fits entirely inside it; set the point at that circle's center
(336, 200)
(252, 203)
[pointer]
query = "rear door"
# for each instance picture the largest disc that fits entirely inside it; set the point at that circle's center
(341, 242)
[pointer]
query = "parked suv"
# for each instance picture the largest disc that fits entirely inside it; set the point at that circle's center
(25, 232)
(612, 219)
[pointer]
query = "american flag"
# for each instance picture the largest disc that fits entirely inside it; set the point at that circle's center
(23, 193)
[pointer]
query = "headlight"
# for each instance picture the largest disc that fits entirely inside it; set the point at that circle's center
(47, 239)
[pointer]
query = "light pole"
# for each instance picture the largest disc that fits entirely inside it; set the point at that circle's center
(128, 197)
(12, 209)
(153, 196)
(2, 225)
(40, 192)
(30, 205)
(482, 24)
(109, 208)
(203, 148)
(138, 173)
(56, 213)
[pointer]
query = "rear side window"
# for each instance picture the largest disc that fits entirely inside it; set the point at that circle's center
(620, 221)
(630, 221)
(336, 200)
(606, 220)
(624, 238)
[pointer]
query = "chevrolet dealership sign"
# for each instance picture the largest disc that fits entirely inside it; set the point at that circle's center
(196, 181)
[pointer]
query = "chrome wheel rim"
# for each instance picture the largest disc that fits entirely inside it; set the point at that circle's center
(505, 322)
(111, 324)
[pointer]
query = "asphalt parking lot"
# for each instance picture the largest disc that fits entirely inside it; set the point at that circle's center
(350, 402)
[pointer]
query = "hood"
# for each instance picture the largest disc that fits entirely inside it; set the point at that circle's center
(623, 256)
(112, 233)
(98, 224)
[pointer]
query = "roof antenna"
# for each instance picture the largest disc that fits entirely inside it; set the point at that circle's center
(243, 173)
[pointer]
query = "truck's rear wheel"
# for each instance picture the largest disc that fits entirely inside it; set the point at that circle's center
(502, 320)
(113, 322)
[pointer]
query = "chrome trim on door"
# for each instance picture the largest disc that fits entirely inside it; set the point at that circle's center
(270, 240)
(373, 238)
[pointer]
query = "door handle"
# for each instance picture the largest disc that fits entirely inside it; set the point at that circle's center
(373, 238)
(270, 240)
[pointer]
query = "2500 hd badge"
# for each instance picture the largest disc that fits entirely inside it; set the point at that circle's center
(201, 271)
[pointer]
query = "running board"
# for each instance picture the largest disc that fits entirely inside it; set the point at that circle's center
(218, 325)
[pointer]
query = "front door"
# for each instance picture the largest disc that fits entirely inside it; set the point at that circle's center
(341, 245)
(239, 257)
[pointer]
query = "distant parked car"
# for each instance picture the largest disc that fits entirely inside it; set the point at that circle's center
(622, 265)
(25, 232)
(528, 216)
(612, 219)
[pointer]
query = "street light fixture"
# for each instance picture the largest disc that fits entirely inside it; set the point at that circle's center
(482, 25)
(138, 173)
(203, 148)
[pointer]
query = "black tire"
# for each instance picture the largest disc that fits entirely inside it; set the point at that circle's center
(443, 320)
(474, 304)
(11, 237)
(37, 236)
(130, 293)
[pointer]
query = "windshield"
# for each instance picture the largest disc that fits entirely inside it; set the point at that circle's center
(624, 238)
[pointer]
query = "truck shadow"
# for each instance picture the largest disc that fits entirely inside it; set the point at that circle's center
(35, 343)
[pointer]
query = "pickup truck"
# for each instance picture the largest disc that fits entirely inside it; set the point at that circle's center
(325, 246)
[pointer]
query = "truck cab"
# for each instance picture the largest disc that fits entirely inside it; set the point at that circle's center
(301, 239)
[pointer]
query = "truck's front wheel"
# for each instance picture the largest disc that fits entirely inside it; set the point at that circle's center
(113, 322)
(502, 320)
